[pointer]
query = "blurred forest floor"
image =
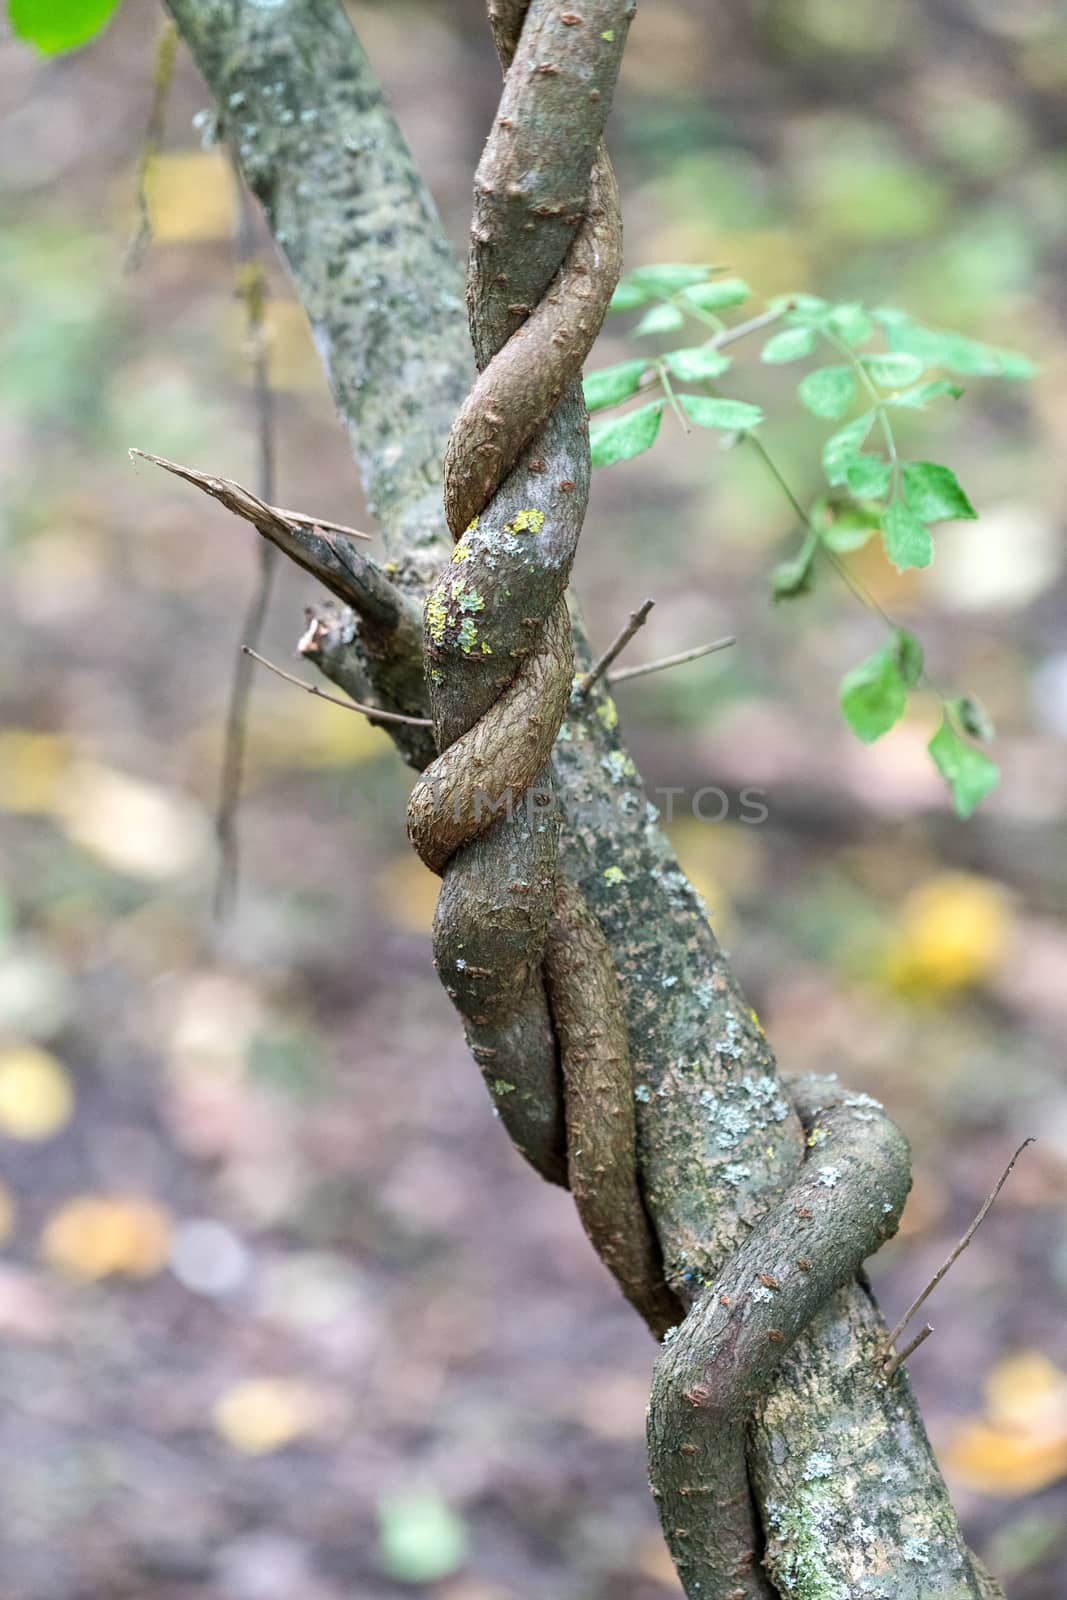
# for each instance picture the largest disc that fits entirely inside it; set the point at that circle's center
(281, 1312)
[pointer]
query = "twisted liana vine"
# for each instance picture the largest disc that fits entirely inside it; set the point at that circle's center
(545, 257)
(517, 948)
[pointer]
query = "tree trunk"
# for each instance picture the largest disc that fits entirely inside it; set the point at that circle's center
(788, 1466)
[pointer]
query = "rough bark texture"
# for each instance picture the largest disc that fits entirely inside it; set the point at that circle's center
(717, 1139)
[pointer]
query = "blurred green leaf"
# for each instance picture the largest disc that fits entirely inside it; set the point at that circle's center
(846, 527)
(933, 493)
(792, 344)
(918, 399)
(697, 364)
(940, 348)
(621, 438)
(850, 323)
(421, 1539)
(909, 656)
(969, 773)
(907, 541)
(972, 716)
(612, 384)
(892, 370)
(868, 476)
(842, 447)
(717, 295)
(660, 319)
(797, 576)
(707, 412)
(57, 25)
(667, 278)
(873, 695)
(828, 391)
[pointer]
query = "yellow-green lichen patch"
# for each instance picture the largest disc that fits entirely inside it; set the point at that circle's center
(436, 616)
(607, 712)
(462, 550)
(529, 520)
(614, 875)
(450, 613)
(501, 1087)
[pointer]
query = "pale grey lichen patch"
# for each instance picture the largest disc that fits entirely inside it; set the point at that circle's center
(643, 1093)
(829, 1176)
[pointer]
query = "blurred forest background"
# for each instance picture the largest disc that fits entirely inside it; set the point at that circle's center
(281, 1312)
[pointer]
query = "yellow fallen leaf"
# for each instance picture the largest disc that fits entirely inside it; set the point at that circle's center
(1027, 1391)
(99, 1236)
(407, 893)
(32, 768)
(1020, 1445)
(132, 825)
(950, 932)
(998, 1462)
(7, 1213)
(261, 1415)
(190, 197)
(36, 1097)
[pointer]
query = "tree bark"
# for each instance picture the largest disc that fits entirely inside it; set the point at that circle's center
(718, 1138)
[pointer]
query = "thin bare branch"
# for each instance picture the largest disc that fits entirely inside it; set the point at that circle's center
(909, 1350)
(251, 290)
(637, 620)
(151, 144)
(645, 667)
(956, 1253)
(335, 700)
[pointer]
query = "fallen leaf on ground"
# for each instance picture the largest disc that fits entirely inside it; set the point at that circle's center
(36, 1095)
(99, 1236)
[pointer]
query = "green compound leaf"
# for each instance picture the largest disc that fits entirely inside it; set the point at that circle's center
(56, 25)
(868, 477)
(933, 493)
(907, 540)
(918, 399)
(842, 447)
(660, 319)
(421, 1539)
(738, 416)
(828, 391)
(622, 438)
(612, 384)
(873, 695)
(717, 295)
(850, 323)
(894, 370)
(697, 363)
(969, 773)
(792, 344)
